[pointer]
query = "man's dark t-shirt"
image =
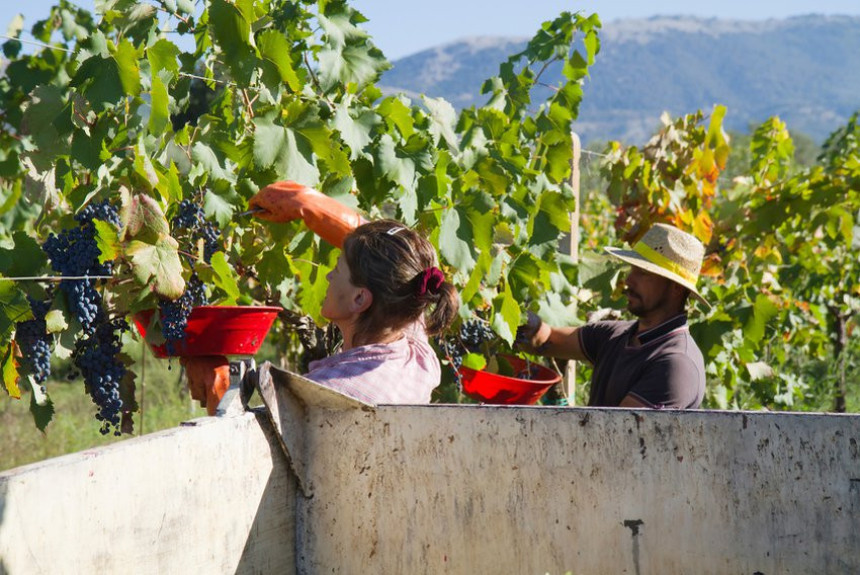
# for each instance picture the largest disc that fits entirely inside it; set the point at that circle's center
(666, 369)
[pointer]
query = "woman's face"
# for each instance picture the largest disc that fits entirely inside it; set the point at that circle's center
(340, 297)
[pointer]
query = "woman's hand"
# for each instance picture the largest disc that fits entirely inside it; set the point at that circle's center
(208, 379)
(325, 216)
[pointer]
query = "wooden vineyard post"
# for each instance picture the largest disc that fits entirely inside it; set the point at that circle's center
(569, 382)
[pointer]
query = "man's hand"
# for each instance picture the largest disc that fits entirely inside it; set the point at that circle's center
(208, 379)
(533, 334)
(541, 338)
(325, 216)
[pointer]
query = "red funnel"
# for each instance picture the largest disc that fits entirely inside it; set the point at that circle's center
(493, 388)
(217, 330)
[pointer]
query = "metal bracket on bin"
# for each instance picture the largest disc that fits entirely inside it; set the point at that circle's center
(242, 374)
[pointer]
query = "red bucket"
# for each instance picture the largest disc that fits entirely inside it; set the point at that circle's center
(217, 330)
(493, 388)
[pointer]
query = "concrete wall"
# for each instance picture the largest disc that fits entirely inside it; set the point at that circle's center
(449, 489)
(212, 496)
(544, 490)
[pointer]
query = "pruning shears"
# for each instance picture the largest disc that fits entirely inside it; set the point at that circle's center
(251, 211)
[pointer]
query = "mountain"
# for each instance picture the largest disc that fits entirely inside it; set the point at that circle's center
(804, 69)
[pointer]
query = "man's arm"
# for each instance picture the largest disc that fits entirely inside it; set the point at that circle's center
(543, 339)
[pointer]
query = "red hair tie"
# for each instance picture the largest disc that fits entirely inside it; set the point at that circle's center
(431, 280)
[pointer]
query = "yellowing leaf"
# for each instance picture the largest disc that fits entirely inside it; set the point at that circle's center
(146, 221)
(158, 265)
(55, 321)
(10, 371)
(107, 240)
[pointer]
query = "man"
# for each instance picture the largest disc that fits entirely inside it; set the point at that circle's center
(650, 362)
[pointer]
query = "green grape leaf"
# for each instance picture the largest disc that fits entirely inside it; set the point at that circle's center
(506, 315)
(352, 64)
(208, 163)
(396, 167)
(185, 6)
(159, 115)
(443, 123)
(397, 112)
(230, 26)
(39, 118)
(763, 311)
(163, 56)
(280, 148)
(158, 266)
(224, 278)
(99, 81)
(16, 24)
(126, 58)
(339, 28)
(524, 274)
(55, 321)
(553, 306)
(169, 186)
(14, 307)
(25, 259)
(554, 206)
(474, 361)
(759, 370)
(9, 369)
(107, 240)
(220, 207)
(455, 241)
(314, 285)
(356, 132)
(41, 406)
(275, 48)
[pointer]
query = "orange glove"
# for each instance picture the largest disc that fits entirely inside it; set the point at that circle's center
(325, 216)
(208, 379)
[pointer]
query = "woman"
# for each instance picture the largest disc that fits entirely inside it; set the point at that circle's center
(385, 295)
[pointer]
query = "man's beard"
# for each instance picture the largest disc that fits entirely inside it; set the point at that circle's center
(635, 306)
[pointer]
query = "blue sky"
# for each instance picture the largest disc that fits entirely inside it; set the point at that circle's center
(403, 27)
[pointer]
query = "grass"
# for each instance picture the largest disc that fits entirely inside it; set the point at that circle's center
(161, 390)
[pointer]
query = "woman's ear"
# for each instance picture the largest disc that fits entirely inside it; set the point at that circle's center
(362, 300)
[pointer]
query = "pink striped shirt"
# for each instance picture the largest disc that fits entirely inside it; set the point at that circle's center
(404, 371)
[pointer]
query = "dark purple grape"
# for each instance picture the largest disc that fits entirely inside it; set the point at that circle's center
(96, 357)
(174, 313)
(34, 341)
(191, 221)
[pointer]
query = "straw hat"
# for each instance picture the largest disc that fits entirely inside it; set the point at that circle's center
(669, 252)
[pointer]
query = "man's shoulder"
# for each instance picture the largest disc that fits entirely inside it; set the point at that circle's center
(609, 326)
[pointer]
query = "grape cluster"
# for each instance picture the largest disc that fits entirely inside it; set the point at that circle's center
(74, 252)
(96, 357)
(35, 341)
(174, 313)
(191, 218)
(473, 334)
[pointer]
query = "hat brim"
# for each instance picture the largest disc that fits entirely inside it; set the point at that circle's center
(635, 259)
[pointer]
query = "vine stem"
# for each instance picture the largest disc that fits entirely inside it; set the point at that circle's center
(34, 43)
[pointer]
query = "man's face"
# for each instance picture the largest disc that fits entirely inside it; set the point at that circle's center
(646, 292)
